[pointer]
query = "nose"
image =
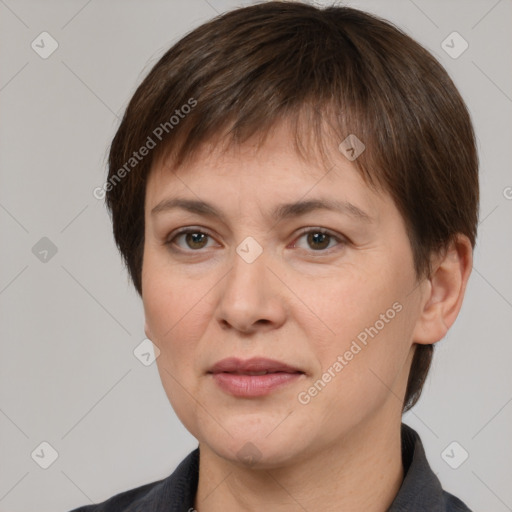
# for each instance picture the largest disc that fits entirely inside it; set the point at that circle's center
(252, 297)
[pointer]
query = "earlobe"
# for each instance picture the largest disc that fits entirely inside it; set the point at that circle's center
(445, 293)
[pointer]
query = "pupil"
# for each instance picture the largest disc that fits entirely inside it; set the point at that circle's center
(195, 238)
(317, 238)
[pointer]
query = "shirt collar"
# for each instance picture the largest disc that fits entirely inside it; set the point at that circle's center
(420, 491)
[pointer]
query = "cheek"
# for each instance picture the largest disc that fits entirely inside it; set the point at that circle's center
(172, 310)
(369, 316)
(342, 305)
(360, 373)
(171, 299)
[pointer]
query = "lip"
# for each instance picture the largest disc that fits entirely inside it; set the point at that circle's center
(255, 364)
(233, 376)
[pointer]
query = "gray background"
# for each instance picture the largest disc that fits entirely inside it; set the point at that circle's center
(68, 375)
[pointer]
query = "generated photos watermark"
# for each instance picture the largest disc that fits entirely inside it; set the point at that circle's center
(156, 136)
(305, 397)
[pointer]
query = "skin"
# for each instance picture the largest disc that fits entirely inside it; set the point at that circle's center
(298, 304)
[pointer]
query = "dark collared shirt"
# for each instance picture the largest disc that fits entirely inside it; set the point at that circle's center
(420, 491)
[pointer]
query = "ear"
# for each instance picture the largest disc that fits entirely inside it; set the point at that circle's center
(444, 292)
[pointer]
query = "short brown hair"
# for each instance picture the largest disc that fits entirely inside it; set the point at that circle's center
(339, 67)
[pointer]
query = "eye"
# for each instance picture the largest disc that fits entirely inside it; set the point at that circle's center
(193, 238)
(319, 239)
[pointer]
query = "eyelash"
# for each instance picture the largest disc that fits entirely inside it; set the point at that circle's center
(305, 231)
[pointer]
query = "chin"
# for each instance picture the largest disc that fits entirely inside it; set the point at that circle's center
(255, 448)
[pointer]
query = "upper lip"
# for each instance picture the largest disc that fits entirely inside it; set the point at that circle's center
(255, 364)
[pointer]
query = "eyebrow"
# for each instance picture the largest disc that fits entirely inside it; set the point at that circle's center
(280, 212)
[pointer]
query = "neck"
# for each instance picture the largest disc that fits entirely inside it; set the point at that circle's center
(361, 472)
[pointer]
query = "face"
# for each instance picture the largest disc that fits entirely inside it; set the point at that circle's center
(331, 293)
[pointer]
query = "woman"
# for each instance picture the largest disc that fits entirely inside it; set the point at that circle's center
(295, 193)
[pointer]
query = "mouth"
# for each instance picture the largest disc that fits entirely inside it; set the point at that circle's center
(253, 378)
(265, 372)
(255, 366)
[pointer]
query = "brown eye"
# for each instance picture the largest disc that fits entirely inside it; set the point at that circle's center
(319, 240)
(196, 240)
(193, 239)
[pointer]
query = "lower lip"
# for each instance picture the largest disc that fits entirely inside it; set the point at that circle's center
(253, 385)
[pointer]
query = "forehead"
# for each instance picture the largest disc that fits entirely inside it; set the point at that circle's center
(311, 154)
(267, 171)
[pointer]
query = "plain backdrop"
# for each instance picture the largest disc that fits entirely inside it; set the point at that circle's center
(70, 320)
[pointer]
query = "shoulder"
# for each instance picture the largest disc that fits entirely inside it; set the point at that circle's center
(127, 501)
(174, 493)
(421, 490)
(454, 504)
